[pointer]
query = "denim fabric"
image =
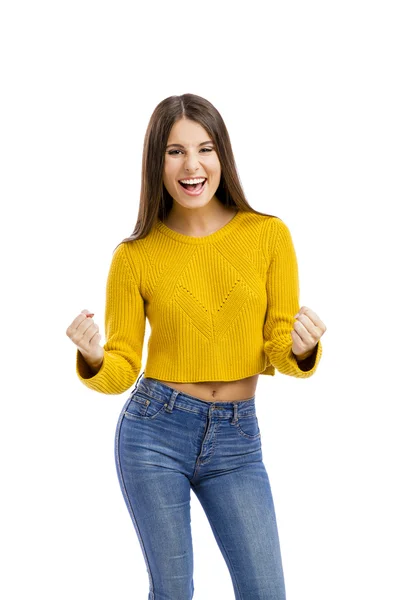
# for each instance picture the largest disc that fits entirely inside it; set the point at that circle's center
(168, 442)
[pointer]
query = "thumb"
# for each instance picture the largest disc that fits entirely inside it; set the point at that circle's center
(86, 312)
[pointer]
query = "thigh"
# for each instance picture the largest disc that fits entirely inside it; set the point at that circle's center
(240, 508)
(157, 496)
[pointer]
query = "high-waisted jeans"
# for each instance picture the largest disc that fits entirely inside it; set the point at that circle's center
(168, 442)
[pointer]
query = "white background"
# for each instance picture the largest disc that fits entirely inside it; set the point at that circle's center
(309, 92)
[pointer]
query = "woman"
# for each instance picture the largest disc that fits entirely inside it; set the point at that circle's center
(218, 283)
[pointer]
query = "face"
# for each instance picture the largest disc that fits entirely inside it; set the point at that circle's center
(190, 153)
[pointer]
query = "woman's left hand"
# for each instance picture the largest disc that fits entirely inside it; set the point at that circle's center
(307, 331)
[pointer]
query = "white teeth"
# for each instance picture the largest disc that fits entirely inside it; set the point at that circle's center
(200, 180)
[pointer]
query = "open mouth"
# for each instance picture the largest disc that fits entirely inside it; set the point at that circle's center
(193, 187)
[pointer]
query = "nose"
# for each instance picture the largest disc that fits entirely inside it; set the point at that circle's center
(191, 164)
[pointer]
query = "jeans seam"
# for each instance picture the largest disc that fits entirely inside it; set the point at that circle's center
(126, 495)
(213, 444)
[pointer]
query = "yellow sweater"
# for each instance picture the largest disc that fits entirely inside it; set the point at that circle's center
(220, 307)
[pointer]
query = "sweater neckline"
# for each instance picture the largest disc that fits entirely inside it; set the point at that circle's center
(205, 239)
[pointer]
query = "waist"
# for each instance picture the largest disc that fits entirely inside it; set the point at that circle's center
(218, 391)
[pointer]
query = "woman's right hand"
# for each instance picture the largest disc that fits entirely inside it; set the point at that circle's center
(84, 332)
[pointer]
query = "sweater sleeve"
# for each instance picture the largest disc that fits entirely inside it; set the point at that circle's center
(282, 287)
(125, 322)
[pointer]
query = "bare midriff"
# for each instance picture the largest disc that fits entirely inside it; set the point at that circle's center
(218, 391)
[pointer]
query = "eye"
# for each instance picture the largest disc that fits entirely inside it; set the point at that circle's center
(173, 151)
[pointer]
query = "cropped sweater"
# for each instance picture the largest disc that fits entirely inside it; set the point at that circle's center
(220, 307)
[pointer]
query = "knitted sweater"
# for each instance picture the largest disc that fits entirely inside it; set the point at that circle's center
(220, 307)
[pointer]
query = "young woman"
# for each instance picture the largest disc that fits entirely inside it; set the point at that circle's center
(218, 282)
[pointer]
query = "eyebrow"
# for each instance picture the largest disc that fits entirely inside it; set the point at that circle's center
(180, 145)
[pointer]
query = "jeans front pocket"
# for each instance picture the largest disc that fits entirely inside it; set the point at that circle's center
(247, 426)
(142, 406)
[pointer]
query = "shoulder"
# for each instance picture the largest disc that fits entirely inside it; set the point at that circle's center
(273, 225)
(129, 255)
(274, 232)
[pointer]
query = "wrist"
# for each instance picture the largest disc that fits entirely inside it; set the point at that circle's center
(93, 363)
(305, 355)
(302, 356)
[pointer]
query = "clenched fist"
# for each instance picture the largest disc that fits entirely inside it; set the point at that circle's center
(308, 329)
(84, 332)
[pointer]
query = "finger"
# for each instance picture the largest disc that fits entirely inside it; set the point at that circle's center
(313, 317)
(87, 337)
(305, 310)
(296, 339)
(306, 336)
(79, 319)
(95, 339)
(307, 322)
(86, 329)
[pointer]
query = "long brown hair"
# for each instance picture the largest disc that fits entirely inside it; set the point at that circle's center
(155, 201)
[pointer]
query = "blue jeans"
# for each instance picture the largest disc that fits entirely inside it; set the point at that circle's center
(168, 442)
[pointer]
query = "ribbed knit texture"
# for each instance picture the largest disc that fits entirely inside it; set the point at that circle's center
(220, 307)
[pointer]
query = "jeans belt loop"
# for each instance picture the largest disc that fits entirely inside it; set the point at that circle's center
(235, 413)
(170, 406)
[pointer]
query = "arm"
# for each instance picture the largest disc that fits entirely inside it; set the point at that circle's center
(125, 321)
(283, 303)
